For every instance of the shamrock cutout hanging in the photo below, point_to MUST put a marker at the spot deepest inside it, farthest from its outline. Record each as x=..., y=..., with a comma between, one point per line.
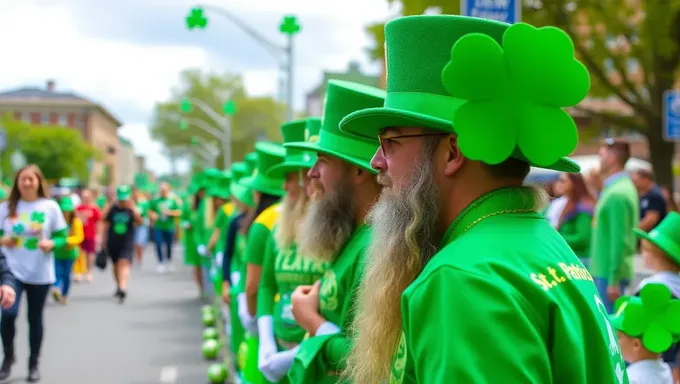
x=31, y=243
x=515, y=94
x=38, y=217
x=653, y=316
x=18, y=229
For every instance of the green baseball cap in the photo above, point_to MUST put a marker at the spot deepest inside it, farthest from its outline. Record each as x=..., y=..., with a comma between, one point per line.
x=343, y=98
x=123, y=192
x=304, y=130
x=421, y=74
x=66, y=204
x=268, y=155
x=666, y=235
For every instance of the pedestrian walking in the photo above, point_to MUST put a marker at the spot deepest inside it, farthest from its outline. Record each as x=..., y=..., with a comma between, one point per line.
x=65, y=257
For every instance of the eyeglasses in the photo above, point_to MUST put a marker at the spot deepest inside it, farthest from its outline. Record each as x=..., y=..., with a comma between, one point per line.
x=386, y=143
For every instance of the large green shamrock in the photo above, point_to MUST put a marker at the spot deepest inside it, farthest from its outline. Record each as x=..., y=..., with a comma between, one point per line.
x=653, y=316
x=18, y=229
x=31, y=243
x=514, y=94
x=38, y=217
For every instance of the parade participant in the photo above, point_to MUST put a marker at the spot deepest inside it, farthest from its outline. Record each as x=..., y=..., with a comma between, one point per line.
x=188, y=218
x=267, y=192
x=65, y=257
x=32, y=227
x=163, y=211
x=646, y=326
x=574, y=222
x=284, y=269
x=661, y=254
x=234, y=250
x=142, y=230
x=119, y=231
x=333, y=231
x=217, y=195
x=617, y=213
x=461, y=259
x=90, y=215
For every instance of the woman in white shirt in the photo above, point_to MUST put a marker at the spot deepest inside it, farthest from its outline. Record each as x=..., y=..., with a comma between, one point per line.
x=31, y=226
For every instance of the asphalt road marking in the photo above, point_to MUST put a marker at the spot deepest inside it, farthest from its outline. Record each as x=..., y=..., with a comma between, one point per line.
x=169, y=374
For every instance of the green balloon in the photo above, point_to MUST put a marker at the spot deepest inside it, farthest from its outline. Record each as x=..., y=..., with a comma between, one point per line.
x=211, y=348
x=242, y=356
x=210, y=334
x=207, y=308
x=208, y=319
x=217, y=373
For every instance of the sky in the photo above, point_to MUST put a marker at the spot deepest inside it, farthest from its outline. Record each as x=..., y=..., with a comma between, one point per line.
x=127, y=54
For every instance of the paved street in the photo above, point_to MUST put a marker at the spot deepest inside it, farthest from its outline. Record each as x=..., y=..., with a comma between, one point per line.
x=155, y=337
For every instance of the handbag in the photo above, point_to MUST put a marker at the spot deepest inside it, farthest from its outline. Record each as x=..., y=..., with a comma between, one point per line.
x=101, y=259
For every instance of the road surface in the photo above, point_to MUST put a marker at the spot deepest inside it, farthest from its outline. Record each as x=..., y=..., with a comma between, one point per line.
x=155, y=337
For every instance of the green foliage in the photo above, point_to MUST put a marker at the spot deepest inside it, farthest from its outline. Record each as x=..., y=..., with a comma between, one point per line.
x=58, y=151
x=254, y=116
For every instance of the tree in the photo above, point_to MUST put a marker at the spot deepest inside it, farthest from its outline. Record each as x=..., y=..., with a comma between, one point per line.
x=58, y=151
x=255, y=117
x=631, y=48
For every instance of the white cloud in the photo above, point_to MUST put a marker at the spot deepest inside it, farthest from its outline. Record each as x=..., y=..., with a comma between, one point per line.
x=45, y=44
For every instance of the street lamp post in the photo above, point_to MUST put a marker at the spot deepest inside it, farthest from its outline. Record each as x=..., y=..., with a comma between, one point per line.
x=196, y=19
x=223, y=133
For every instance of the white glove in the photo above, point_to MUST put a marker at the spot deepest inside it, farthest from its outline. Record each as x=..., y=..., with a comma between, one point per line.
x=202, y=250
x=327, y=328
x=265, y=328
x=219, y=257
x=279, y=364
x=248, y=322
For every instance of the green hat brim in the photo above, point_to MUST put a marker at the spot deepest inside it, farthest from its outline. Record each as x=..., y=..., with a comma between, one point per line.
x=367, y=123
x=123, y=196
x=263, y=184
x=660, y=240
x=315, y=147
x=281, y=170
x=616, y=322
x=242, y=194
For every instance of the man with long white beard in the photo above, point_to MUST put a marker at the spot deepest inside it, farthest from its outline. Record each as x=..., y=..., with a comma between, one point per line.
x=284, y=268
x=466, y=281
x=333, y=231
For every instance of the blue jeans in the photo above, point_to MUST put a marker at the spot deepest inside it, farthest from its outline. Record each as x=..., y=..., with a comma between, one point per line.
x=36, y=296
x=161, y=237
x=601, y=284
x=62, y=270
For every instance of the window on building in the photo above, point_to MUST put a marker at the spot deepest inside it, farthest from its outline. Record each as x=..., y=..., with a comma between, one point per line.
x=63, y=121
x=45, y=118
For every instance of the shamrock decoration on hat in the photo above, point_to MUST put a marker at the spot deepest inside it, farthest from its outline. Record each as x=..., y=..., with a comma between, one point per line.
x=654, y=317
x=515, y=94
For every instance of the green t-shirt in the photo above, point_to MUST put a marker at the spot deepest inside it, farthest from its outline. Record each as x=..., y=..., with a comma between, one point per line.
x=224, y=216
x=282, y=272
x=320, y=355
x=259, y=233
x=159, y=205
x=613, y=244
x=238, y=265
x=505, y=300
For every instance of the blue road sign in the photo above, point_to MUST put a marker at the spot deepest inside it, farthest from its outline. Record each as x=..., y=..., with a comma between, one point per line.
x=508, y=11
x=671, y=115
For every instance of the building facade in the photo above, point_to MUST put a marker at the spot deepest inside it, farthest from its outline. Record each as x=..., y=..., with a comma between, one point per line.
x=97, y=125
x=315, y=99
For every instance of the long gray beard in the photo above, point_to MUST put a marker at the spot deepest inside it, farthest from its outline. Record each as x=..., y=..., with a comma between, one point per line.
x=328, y=224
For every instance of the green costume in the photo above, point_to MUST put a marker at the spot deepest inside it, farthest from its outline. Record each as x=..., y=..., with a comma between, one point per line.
x=322, y=357
x=188, y=218
x=206, y=221
x=576, y=230
x=284, y=270
x=504, y=299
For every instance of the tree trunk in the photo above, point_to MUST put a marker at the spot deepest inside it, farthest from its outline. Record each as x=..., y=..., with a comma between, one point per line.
x=661, y=153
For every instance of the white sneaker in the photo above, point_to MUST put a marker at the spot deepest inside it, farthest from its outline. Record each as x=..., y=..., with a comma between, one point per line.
x=161, y=268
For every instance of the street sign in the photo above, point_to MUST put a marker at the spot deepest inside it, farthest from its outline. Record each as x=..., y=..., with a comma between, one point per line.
x=671, y=115
x=508, y=11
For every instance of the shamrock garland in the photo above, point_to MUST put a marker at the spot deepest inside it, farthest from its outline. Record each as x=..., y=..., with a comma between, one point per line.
x=514, y=94
x=654, y=317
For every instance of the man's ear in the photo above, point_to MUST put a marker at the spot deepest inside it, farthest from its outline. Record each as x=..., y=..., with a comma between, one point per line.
x=454, y=158
x=360, y=174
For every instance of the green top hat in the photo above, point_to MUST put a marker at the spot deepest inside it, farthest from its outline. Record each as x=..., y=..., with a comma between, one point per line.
x=653, y=316
x=220, y=186
x=196, y=183
x=306, y=130
x=66, y=204
x=666, y=235
x=239, y=170
x=238, y=191
x=268, y=155
x=251, y=161
x=343, y=98
x=210, y=175
x=502, y=87
x=123, y=192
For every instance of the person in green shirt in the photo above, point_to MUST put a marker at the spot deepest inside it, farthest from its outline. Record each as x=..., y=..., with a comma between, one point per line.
x=142, y=230
x=617, y=213
x=284, y=269
x=466, y=281
x=163, y=211
x=187, y=220
x=575, y=220
x=333, y=231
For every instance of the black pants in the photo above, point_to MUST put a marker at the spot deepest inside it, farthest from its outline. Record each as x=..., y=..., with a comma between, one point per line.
x=36, y=296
